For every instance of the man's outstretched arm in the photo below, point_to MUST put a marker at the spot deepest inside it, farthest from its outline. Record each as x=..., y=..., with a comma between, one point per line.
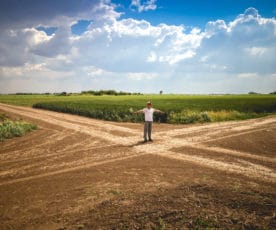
x=158, y=111
x=139, y=111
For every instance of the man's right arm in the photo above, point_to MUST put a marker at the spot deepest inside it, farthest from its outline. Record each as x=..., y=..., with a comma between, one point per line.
x=139, y=111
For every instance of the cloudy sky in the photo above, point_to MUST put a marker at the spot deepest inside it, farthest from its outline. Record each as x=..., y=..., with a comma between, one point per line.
x=215, y=46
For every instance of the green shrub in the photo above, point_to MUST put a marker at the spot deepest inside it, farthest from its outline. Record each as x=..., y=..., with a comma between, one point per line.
x=225, y=115
x=10, y=129
x=188, y=116
x=3, y=117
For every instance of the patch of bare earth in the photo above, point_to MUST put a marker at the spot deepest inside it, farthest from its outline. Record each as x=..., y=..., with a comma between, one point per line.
x=80, y=173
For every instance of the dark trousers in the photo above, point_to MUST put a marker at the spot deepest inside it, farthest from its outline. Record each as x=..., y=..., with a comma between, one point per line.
x=147, y=129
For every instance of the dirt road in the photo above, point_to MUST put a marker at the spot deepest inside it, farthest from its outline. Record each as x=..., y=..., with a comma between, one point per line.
x=75, y=172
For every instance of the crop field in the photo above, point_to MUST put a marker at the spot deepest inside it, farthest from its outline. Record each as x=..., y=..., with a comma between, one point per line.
x=178, y=108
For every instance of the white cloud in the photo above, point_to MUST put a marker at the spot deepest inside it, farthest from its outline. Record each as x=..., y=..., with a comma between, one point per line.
x=137, y=45
x=177, y=57
x=214, y=27
x=256, y=51
x=273, y=76
x=152, y=57
x=141, y=5
x=204, y=58
x=246, y=44
x=247, y=75
x=142, y=76
x=33, y=71
x=250, y=15
x=35, y=37
x=93, y=71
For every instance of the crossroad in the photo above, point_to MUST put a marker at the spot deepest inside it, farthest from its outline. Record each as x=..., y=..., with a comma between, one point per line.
x=198, y=144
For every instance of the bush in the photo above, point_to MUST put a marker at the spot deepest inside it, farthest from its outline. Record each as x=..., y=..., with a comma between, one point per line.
x=3, y=117
x=107, y=92
x=10, y=129
x=225, y=115
x=188, y=116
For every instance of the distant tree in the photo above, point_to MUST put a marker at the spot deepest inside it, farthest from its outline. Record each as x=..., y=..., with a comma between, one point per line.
x=161, y=92
x=108, y=92
x=24, y=93
x=251, y=92
x=273, y=92
x=62, y=94
x=98, y=93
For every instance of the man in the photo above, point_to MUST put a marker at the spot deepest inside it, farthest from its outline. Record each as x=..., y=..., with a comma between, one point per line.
x=148, y=111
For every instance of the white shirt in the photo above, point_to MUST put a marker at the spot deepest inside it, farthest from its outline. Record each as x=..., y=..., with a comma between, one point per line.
x=148, y=114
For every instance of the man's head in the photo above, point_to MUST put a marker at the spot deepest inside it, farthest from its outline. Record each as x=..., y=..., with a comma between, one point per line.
x=149, y=104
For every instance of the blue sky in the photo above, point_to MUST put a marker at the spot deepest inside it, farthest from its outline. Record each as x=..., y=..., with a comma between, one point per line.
x=197, y=12
x=138, y=45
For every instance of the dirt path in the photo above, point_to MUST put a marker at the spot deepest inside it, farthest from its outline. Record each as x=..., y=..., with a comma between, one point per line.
x=99, y=154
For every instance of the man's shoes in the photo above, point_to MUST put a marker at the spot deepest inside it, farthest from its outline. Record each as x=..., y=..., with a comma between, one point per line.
x=145, y=140
x=150, y=140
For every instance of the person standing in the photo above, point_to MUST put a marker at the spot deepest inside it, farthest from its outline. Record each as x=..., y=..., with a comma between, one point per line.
x=148, y=112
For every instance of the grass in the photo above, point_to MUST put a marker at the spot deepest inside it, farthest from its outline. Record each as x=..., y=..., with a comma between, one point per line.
x=114, y=192
x=9, y=129
x=179, y=108
x=225, y=115
x=80, y=226
x=203, y=223
x=3, y=117
x=161, y=224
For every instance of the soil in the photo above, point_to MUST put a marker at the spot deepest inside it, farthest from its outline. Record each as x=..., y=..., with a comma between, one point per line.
x=80, y=173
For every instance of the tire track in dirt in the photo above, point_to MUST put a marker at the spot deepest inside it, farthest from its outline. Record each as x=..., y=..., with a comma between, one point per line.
x=235, y=153
x=249, y=169
x=75, y=119
x=221, y=128
x=86, y=166
x=44, y=116
x=245, y=168
x=165, y=142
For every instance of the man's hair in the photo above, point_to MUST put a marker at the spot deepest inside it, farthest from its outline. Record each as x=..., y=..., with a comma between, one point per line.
x=148, y=102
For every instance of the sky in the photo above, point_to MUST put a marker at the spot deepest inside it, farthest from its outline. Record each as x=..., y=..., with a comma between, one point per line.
x=177, y=46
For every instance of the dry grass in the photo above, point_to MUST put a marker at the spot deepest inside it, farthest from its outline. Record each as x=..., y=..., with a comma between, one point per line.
x=227, y=115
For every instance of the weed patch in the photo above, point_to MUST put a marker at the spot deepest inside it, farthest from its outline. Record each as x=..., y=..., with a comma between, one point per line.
x=9, y=129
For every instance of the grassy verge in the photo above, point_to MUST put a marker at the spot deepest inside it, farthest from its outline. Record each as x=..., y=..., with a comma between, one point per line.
x=192, y=116
x=9, y=129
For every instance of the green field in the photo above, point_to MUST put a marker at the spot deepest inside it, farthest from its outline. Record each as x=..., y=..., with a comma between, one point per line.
x=178, y=108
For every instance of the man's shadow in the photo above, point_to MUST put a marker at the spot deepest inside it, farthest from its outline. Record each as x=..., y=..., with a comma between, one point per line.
x=140, y=143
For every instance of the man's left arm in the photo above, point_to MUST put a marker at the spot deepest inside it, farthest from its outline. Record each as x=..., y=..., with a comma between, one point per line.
x=158, y=111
